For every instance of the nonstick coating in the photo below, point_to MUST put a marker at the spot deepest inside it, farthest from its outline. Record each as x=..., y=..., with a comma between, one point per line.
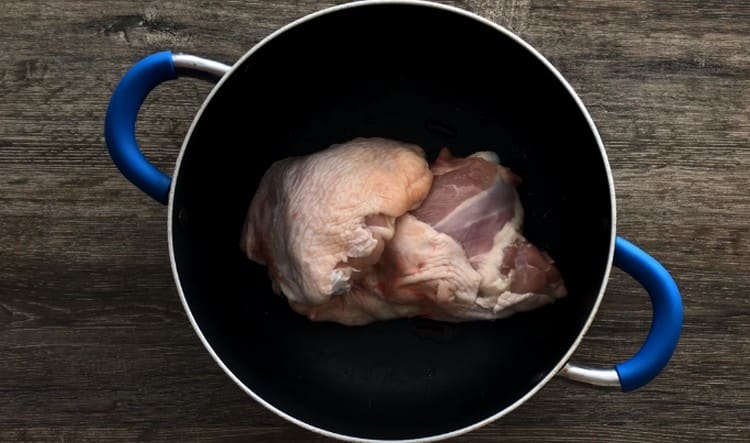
x=418, y=74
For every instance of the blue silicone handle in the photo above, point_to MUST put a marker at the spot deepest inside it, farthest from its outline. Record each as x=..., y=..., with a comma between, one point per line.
x=666, y=324
x=119, y=124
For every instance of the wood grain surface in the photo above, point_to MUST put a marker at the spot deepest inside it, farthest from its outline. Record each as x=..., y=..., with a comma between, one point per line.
x=95, y=345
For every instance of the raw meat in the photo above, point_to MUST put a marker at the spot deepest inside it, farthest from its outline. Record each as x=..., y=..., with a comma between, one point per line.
x=316, y=220
x=474, y=200
x=333, y=229
x=422, y=272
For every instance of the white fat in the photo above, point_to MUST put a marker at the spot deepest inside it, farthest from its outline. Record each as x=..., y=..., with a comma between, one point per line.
x=340, y=280
x=511, y=302
x=485, y=302
x=489, y=156
x=494, y=284
x=509, y=299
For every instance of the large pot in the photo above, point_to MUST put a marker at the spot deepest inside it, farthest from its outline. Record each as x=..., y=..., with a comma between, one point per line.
x=419, y=72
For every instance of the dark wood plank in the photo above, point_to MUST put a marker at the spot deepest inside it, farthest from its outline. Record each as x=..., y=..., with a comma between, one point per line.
x=95, y=345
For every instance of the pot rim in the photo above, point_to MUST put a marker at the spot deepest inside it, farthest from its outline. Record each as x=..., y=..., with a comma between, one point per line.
x=543, y=381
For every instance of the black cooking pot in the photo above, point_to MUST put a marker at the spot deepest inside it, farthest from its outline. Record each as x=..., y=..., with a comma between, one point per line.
x=423, y=73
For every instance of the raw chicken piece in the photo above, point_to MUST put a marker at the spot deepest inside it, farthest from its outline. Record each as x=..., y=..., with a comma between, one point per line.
x=316, y=220
x=333, y=229
x=460, y=256
x=474, y=201
x=421, y=272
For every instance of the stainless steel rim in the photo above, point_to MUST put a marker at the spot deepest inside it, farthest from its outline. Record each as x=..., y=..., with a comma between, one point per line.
x=563, y=361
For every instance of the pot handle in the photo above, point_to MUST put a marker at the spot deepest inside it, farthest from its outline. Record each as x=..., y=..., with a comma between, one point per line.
x=126, y=101
x=663, y=336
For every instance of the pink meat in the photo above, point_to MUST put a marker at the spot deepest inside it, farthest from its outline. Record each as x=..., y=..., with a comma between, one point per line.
x=471, y=199
x=474, y=200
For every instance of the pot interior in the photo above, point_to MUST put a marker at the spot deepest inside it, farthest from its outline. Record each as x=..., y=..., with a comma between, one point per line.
x=424, y=75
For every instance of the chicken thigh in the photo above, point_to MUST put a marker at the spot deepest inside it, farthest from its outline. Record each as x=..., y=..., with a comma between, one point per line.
x=316, y=220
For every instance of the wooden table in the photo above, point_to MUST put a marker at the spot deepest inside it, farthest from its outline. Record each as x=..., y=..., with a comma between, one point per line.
x=95, y=345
